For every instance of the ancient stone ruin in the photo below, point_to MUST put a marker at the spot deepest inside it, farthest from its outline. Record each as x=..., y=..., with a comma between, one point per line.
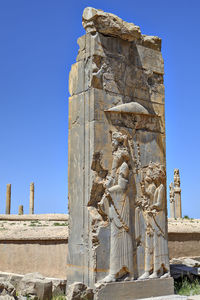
x=21, y=209
x=31, y=203
x=171, y=200
x=175, y=196
x=117, y=163
x=8, y=198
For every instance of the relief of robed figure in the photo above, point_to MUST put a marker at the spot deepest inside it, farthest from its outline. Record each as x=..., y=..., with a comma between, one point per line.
x=152, y=207
x=117, y=199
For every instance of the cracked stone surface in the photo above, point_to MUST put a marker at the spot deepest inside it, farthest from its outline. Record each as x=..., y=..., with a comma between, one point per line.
x=117, y=160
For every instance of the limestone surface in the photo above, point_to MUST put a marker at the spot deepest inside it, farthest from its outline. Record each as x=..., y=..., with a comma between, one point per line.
x=172, y=202
x=109, y=24
x=177, y=194
x=135, y=290
x=31, y=202
x=170, y=297
x=34, y=284
x=117, y=162
x=8, y=198
x=96, y=20
x=21, y=210
x=6, y=288
x=78, y=291
x=13, y=281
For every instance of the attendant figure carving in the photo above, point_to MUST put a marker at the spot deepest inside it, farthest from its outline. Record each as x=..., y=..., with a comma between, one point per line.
x=154, y=212
x=117, y=185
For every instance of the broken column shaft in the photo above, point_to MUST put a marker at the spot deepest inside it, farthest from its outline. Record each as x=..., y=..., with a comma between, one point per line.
x=8, y=198
x=31, y=203
x=21, y=210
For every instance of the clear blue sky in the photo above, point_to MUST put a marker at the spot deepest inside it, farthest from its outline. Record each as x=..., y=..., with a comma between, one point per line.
x=38, y=46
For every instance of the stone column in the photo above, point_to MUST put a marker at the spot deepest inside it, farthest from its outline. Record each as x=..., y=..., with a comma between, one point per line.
x=117, y=162
x=31, y=204
x=172, y=202
x=8, y=198
x=21, y=210
x=177, y=194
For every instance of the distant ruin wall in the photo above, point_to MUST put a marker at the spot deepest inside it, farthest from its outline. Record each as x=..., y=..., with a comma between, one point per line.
x=184, y=245
x=34, y=243
x=184, y=238
x=47, y=257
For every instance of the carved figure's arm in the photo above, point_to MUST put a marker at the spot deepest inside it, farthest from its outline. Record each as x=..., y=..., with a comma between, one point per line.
x=108, y=182
x=115, y=164
x=122, y=184
x=102, y=204
x=159, y=194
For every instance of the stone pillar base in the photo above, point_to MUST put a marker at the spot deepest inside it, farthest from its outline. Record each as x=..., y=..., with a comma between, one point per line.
x=133, y=290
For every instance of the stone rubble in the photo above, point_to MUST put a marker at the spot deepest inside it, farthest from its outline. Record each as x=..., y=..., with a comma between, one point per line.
x=79, y=291
x=184, y=267
x=6, y=288
x=32, y=285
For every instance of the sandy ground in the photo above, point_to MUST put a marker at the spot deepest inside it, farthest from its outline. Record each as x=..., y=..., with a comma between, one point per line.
x=33, y=227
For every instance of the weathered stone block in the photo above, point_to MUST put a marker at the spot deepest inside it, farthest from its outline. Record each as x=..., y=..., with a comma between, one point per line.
x=150, y=59
x=109, y=24
x=34, y=284
x=117, y=66
x=6, y=288
x=136, y=289
x=76, y=78
x=117, y=161
x=78, y=291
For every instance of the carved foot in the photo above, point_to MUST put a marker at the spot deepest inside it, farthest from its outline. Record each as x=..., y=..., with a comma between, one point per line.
x=128, y=278
x=144, y=276
x=109, y=278
x=153, y=275
x=166, y=275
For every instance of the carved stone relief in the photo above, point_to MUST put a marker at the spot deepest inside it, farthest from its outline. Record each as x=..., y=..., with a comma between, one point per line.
x=177, y=194
x=117, y=182
x=172, y=202
x=116, y=193
x=152, y=206
x=176, y=178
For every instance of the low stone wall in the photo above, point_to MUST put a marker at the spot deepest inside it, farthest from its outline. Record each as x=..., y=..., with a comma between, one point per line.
x=46, y=257
x=36, y=243
x=184, y=238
